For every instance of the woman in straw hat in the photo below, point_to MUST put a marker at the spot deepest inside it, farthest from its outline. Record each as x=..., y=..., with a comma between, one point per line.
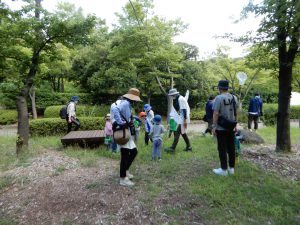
x=121, y=114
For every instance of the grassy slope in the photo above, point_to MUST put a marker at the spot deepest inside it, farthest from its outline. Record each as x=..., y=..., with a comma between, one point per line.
x=181, y=189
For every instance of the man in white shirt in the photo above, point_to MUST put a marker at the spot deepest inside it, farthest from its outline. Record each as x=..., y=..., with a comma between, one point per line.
x=71, y=114
x=180, y=105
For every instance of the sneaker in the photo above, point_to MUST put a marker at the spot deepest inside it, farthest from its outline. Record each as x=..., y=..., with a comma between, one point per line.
x=188, y=149
x=220, y=172
x=129, y=175
x=126, y=182
x=231, y=170
x=159, y=159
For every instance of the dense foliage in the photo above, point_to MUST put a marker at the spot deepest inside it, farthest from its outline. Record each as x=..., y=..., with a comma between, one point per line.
x=8, y=117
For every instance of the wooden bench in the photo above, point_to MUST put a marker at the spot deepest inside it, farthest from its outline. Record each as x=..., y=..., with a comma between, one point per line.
x=88, y=138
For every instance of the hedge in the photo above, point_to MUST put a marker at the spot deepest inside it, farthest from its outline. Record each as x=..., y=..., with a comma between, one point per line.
x=49, y=98
x=270, y=113
x=57, y=126
x=81, y=110
x=197, y=114
x=8, y=116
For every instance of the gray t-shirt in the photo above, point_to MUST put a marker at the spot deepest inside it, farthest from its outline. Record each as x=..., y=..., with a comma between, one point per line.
x=224, y=105
x=156, y=131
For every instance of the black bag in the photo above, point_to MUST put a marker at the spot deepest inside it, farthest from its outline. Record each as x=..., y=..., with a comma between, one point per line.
x=63, y=112
x=227, y=123
x=205, y=118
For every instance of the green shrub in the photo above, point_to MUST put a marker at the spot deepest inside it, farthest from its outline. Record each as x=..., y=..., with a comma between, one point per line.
x=8, y=93
x=242, y=116
x=270, y=113
x=49, y=98
x=81, y=110
x=8, y=117
x=295, y=112
x=57, y=126
x=197, y=114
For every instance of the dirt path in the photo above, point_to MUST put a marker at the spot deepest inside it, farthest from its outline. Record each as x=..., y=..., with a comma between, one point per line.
x=55, y=189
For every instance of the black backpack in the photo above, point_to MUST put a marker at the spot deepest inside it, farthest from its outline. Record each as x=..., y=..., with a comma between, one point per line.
x=63, y=112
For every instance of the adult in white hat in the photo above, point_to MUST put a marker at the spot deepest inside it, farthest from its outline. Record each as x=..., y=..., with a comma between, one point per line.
x=122, y=116
x=180, y=105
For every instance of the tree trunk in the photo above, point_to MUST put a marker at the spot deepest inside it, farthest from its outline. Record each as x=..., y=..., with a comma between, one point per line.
x=149, y=98
x=170, y=101
x=62, y=86
x=283, y=139
x=33, y=104
x=58, y=84
x=23, y=120
x=23, y=124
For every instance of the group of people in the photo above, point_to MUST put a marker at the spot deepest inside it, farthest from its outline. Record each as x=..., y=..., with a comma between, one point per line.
x=223, y=106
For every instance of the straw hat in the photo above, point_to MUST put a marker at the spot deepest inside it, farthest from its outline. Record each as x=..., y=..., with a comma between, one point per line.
x=133, y=94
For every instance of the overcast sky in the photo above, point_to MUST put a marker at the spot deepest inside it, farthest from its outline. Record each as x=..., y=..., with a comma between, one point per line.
x=206, y=19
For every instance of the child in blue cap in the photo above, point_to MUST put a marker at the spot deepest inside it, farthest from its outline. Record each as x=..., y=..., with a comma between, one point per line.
x=156, y=132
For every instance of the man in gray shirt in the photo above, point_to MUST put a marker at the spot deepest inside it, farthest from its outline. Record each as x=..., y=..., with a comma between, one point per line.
x=224, y=106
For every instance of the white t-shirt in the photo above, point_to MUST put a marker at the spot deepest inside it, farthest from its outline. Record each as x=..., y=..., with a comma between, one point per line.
x=71, y=109
x=183, y=104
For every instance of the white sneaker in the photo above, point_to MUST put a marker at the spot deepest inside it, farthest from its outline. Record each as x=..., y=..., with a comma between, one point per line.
x=126, y=182
x=231, y=170
x=220, y=172
x=129, y=175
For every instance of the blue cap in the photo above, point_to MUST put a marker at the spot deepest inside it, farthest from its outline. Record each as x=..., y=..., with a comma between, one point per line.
x=147, y=107
x=157, y=118
x=74, y=98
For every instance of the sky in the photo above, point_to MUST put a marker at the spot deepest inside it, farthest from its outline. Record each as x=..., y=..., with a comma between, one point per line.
x=206, y=19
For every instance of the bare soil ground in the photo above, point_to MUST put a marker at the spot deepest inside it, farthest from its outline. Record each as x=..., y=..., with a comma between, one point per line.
x=265, y=156
x=55, y=189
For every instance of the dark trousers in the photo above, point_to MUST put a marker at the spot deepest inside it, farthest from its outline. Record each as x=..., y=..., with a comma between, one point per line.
x=176, y=138
x=226, y=147
x=209, y=126
x=73, y=121
x=252, y=118
x=127, y=157
x=147, y=138
x=170, y=133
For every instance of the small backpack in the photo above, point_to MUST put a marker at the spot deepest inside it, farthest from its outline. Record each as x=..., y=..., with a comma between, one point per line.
x=63, y=112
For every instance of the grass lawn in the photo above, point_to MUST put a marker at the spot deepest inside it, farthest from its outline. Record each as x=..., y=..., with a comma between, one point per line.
x=182, y=187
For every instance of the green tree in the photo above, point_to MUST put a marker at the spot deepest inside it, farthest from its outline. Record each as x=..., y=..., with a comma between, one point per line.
x=38, y=30
x=146, y=41
x=280, y=30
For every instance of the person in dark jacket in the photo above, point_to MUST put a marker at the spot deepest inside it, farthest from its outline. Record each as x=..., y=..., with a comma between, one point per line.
x=254, y=111
x=209, y=114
